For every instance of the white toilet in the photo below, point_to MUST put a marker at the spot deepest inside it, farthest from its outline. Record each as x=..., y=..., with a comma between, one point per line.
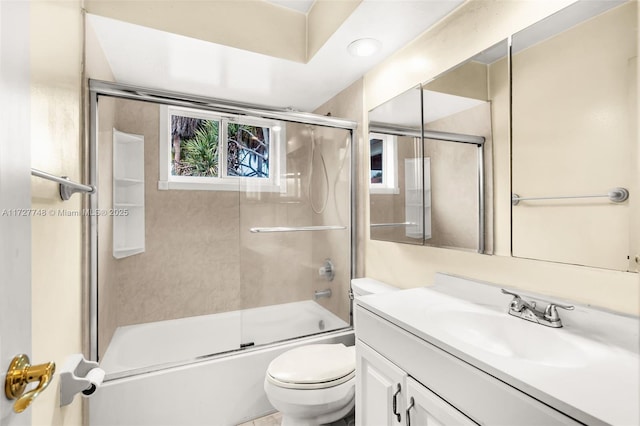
x=315, y=384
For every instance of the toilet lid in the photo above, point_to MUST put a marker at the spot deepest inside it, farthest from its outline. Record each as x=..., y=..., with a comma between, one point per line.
x=313, y=364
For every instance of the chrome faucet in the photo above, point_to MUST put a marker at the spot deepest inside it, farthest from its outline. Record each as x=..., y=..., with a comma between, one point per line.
x=527, y=310
x=322, y=293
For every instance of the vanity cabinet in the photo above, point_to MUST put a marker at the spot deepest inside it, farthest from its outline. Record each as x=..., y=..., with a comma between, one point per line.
x=425, y=408
x=386, y=394
x=380, y=388
x=444, y=389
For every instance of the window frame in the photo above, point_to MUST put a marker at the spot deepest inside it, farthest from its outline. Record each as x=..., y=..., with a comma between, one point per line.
x=222, y=182
x=389, y=184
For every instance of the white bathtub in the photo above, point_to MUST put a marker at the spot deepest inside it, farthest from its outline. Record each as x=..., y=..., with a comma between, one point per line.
x=223, y=389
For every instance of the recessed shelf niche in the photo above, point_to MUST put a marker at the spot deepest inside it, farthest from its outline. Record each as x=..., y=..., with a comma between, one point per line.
x=128, y=194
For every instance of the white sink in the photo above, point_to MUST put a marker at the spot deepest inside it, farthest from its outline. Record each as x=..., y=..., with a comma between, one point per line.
x=506, y=336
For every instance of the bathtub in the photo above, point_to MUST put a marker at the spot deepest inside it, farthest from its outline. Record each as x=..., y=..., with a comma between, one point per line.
x=147, y=382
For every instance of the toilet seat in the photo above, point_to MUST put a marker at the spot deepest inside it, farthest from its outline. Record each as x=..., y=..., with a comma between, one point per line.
x=313, y=367
x=318, y=385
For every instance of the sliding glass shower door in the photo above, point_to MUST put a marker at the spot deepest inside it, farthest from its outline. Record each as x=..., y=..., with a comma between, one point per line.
x=295, y=235
x=224, y=229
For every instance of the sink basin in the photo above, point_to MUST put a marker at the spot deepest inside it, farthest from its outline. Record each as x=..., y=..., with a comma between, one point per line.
x=503, y=335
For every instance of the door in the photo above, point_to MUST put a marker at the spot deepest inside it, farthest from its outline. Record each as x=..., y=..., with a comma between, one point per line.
x=15, y=196
x=380, y=389
x=425, y=408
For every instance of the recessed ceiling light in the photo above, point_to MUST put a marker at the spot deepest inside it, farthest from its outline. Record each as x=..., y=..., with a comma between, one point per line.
x=364, y=47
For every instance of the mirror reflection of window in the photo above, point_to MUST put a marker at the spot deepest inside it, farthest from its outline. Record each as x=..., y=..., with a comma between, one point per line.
x=376, y=160
x=384, y=167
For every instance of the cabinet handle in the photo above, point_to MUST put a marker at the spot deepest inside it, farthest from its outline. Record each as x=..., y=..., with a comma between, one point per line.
x=408, y=414
x=395, y=403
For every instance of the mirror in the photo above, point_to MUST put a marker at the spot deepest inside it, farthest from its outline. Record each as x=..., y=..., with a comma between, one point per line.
x=574, y=139
x=448, y=202
x=395, y=189
x=461, y=109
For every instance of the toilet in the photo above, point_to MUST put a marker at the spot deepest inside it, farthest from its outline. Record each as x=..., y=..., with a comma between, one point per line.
x=315, y=384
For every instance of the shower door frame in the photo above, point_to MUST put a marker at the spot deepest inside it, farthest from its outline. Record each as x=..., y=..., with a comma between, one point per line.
x=127, y=91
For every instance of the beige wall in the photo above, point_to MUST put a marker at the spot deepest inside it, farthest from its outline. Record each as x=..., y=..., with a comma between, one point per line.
x=56, y=125
x=323, y=19
x=572, y=135
x=253, y=25
x=471, y=28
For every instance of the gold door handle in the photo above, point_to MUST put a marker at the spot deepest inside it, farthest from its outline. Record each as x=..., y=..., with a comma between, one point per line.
x=22, y=372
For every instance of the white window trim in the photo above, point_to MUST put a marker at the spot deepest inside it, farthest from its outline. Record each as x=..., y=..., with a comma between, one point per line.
x=277, y=156
x=389, y=183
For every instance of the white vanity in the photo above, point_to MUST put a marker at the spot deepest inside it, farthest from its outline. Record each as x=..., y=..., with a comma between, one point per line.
x=451, y=355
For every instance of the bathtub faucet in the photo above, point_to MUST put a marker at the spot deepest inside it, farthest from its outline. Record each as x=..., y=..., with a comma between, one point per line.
x=322, y=293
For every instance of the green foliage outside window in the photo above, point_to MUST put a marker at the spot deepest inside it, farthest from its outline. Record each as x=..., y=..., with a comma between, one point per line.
x=195, y=148
x=201, y=151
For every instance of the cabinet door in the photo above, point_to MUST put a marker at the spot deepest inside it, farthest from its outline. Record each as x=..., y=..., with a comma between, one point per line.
x=425, y=408
x=380, y=389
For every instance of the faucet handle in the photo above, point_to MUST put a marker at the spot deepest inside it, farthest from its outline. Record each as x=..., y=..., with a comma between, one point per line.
x=510, y=293
x=517, y=303
x=551, y=313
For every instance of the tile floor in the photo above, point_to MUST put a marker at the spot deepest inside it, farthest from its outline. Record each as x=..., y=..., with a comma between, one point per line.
x=276, y=419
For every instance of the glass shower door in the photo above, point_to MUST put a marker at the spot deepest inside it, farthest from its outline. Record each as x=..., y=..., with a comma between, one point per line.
x=295, y=244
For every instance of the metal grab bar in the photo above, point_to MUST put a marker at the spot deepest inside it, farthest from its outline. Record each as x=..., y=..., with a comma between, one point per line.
x=616, y=195
x=67, y=187
x=297, y=228
x=382, y=225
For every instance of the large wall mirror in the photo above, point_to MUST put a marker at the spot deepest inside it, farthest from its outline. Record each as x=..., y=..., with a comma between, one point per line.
x=431, y=151
x=575, y=141
x=396, y=180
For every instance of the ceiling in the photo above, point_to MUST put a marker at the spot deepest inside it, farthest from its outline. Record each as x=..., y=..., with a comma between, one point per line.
x=156, y=59
x=299, y=5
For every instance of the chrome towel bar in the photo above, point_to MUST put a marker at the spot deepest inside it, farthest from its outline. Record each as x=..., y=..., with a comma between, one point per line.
x=616, y=195
x=67, y=187
x=383, y=225
x=297, y=228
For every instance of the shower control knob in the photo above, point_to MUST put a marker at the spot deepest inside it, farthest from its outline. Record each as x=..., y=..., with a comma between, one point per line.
x=327, y=270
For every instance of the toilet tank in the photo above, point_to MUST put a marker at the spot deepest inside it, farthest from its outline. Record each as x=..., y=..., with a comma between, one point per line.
x=365, y=286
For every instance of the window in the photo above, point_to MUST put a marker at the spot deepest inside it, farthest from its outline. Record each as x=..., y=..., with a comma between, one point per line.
x=383, y=157
x=213, y=151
